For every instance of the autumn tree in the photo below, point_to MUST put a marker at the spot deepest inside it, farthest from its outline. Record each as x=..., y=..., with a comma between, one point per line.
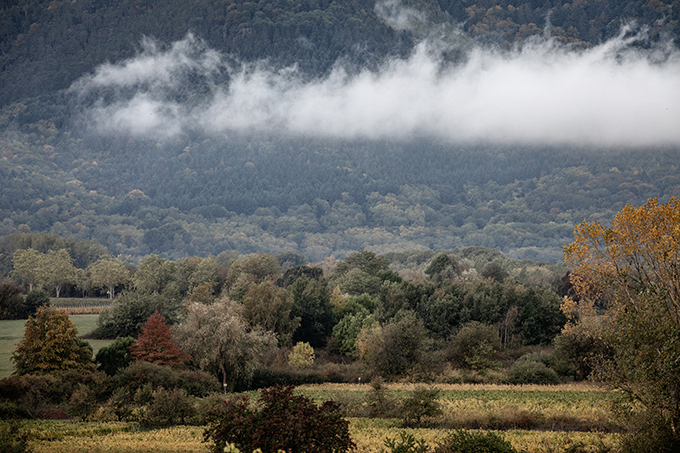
x=51, y=345
x=627, y=285
x=301, y=356
x=155, y=344
x=222, y=342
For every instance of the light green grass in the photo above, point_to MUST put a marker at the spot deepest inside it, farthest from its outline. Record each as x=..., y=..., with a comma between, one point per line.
x=11, y=333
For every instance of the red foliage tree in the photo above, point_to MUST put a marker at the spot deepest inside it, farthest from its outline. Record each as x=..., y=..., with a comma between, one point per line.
x=155, y=344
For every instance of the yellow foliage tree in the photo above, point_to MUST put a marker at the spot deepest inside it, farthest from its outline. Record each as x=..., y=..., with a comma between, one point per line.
x=302, y=355
x=51, y=345
x=627, y=292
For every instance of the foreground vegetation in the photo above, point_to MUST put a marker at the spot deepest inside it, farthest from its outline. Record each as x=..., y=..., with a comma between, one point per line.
x=369, y=434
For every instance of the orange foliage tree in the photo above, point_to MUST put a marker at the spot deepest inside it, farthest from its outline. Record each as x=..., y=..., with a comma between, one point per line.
x=51, y=345
x=155, y=344
x=627, y=287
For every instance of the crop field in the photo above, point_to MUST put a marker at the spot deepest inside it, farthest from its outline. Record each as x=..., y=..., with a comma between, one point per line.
x=81, y=306
x=567, y=407
x=11, y=333
x=368, y=434
x=584, y=404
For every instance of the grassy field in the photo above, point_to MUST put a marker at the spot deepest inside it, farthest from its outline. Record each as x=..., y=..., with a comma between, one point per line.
x=11, y=333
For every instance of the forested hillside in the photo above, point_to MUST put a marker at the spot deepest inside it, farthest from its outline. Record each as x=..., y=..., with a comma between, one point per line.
x=77, y=160
x=46, y=45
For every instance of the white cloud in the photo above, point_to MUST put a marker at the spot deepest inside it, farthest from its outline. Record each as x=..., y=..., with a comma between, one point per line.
x=541, y=94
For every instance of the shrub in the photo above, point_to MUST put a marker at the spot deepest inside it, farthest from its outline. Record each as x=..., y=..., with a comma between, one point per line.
x=460, y=441
x=140, y=374
x=12, y=305
x=198, y=383
x=407, y=444
x=529, y=372
x=380, y=404
x=120, y=404
x=422, y=403
x=13, y=438
x=170, y=407
x=116, y=356
x=299, y=424
x=82, y=403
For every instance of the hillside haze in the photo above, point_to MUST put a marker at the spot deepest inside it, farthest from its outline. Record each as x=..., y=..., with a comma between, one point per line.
x=325, y=127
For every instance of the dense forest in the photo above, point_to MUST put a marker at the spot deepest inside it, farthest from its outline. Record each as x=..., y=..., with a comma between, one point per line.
x=202, y=194
x=46, y=45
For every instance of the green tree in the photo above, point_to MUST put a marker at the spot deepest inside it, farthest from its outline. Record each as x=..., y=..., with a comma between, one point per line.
x=58, y=270
x=268, y=306
x=34, y=300
x=109, y=273
x=346, y=332
x=131, y=310
x=220, y=340
x=395, y=349
x=196, y=271
x=474, y=346
x=312, y=305
x=11, y=302
x=626, y=282
x=365, y=261
x=116, y=356
x=154, y=275
x=28, y=265
x=51, y=345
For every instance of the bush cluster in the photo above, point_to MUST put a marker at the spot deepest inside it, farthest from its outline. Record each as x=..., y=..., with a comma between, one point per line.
x=299, y=424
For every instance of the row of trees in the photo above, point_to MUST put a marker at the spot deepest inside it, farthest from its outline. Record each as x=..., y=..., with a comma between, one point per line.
x=55, y=269
x=229, y=316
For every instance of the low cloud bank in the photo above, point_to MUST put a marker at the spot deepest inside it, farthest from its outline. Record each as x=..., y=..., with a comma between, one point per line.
x=614, y=94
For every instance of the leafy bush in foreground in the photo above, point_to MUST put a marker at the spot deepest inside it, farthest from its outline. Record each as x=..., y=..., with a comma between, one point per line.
x=300, y=425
